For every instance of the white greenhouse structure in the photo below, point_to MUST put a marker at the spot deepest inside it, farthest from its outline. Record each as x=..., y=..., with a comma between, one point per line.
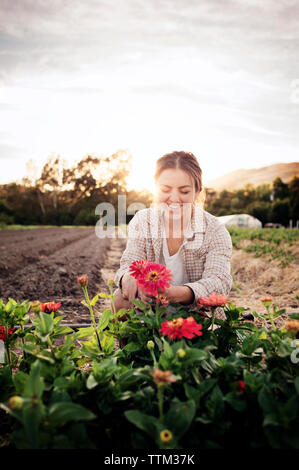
x=240, y=220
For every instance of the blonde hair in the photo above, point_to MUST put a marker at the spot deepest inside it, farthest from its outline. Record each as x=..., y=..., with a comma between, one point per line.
x=187, y=162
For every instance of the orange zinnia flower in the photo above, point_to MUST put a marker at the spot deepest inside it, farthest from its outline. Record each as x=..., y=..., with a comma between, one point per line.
x=83, y=280
x=181, y=328
x=162, y=377
x=292, y=325
x=267, y=299
x=212, y=300
x=162, y=299
x=49, y=307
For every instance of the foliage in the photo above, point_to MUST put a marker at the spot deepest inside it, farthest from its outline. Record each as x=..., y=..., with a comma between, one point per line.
x=63, y=195
x=275, y=244
x=62, y=390
x=277, y=203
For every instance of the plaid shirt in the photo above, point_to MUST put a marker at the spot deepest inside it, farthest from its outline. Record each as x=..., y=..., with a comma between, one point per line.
x=206, y=254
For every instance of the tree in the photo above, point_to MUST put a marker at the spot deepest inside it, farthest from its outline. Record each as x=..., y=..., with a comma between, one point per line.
x=261, y=210
x=280, y=212
x=281, y=189
x=294, y=199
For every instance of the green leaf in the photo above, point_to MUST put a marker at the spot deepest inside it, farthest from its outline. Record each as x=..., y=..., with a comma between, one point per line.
x=61, y=331
x=266, y=401
x=194, y=355
x=63, y=412
x=104, y=319
x=139, y=304
x=19, y=380
x=91, y=382
x=179, y=417
x=215, y=403
x=236, y=401
x=34, y=385
x=296, y=383
x=94, y=300
x=132, y=347
x=84, y=332
x=146, y=423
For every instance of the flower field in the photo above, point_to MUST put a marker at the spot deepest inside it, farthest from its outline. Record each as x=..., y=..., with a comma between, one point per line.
x=188, y=380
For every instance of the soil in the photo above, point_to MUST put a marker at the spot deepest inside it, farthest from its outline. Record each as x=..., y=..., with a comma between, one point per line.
x=44, y=263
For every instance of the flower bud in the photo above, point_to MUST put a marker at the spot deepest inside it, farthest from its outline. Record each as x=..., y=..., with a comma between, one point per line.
x=181, y=353
x=166, y=436
x=150, y=345
x=35, y=306
x=263, y=335
x=83, y=280
x=16, y=402
x=110, y=282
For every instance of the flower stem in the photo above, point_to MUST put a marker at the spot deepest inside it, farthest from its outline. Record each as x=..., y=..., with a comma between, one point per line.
x=7, y=347
x=113, y=307
x=160, y=402
x=154, y=357
x=213, y=317
x=92, y=315
x=51, y=349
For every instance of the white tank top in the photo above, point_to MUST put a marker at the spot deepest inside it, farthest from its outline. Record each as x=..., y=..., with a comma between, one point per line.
x=175, y=263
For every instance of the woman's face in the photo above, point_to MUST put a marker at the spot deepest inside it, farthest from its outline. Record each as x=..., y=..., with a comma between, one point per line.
x=175, y=191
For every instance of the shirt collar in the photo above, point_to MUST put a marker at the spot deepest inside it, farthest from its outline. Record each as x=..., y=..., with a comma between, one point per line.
x=197, y=222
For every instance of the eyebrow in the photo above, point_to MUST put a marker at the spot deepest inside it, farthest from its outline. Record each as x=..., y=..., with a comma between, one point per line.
x=180, y=187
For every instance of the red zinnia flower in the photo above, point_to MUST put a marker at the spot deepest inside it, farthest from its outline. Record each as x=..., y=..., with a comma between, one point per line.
x=136, y=268
x=154, y=277
x=181, y=328
x=213, y=300
x=3, y=333
x=49, y=307
x=241, y=386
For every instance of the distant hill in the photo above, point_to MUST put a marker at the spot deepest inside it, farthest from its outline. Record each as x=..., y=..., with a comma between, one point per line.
x=267, y=174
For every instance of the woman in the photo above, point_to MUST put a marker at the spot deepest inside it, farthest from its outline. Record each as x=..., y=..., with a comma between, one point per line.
x=179, y=234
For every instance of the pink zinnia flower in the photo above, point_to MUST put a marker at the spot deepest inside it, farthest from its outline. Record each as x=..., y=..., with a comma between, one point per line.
x=213, y=300
x=136, y=268
x=154, y=278
x=161, y=377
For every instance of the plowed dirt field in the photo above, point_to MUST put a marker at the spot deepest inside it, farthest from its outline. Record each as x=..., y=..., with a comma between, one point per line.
x=44, y=263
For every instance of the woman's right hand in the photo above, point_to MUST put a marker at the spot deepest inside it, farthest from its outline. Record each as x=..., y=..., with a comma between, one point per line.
x=129, y=287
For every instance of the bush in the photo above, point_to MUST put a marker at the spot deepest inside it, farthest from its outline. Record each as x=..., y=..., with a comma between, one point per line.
x=190, y=392
x=86, y=217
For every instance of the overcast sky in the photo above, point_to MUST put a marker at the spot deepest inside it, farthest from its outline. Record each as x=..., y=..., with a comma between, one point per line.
x=215, y=77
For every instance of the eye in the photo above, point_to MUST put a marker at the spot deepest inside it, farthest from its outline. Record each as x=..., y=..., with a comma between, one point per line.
x=185, y=192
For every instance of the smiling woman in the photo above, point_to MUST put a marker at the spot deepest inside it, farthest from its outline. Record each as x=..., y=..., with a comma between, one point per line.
x=178, y=234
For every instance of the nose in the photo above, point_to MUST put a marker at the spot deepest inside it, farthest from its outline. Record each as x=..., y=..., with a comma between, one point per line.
x=174, y=196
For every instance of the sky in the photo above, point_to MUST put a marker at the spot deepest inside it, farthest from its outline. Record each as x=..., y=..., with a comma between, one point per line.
x=218, y=78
